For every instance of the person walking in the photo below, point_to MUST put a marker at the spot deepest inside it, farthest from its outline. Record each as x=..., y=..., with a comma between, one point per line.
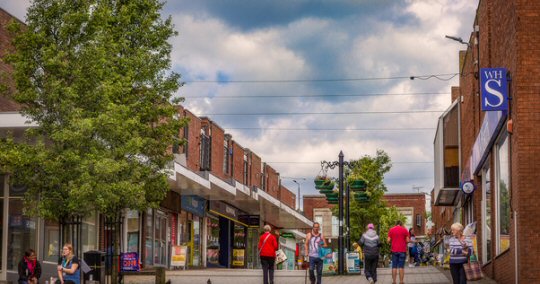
x=267, y=252
x=314, y=240
x=413, y=250
x=371, y=243
x=68, y=267
x=398, y=236
x=461, y=248
x=29, y=268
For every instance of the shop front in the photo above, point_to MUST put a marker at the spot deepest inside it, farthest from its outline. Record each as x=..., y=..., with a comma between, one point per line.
x=190, y=227
x=227, y=236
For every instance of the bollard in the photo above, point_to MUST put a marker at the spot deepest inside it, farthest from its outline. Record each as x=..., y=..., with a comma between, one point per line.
x=160, y=275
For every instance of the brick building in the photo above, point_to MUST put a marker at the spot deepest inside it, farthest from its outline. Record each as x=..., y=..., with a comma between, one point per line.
x=498, y=151
x=413, y=206
x=316, y=208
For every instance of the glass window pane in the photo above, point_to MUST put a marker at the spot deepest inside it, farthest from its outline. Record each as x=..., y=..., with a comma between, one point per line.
x=133, y=231
x=17, y=190
x=89, y=238
x=504, y=198
x=488, y=223
x=21, y=234
x=51, y=250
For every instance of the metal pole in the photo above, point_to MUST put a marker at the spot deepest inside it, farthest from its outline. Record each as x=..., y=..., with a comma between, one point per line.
x=341, y=256
x=348, y=220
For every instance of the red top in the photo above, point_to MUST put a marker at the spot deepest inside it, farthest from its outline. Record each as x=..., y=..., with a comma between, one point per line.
x=270, y=247
x=399, y=235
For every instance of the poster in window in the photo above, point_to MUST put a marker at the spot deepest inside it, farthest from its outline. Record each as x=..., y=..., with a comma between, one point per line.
x=178, y=256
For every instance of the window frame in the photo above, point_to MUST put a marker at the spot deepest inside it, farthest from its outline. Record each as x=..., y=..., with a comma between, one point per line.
x=502, y=140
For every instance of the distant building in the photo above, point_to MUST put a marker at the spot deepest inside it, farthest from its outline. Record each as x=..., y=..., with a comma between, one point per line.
x=413, y=206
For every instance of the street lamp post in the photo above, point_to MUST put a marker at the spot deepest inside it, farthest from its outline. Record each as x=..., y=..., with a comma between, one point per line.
x=341, y=242
x=298, y=196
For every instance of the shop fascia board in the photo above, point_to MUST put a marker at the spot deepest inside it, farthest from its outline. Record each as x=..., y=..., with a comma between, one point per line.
x=297, y=215
x=240, y=187
x=269, y=198
x=297, y=234
x=223, y=188
x=187, y=182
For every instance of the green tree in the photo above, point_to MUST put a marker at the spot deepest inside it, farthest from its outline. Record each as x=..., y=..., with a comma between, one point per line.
x=94, y=76
x=372, y=170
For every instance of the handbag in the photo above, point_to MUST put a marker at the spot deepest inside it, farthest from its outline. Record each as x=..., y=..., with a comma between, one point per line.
x=280, y=256
x=473, y=269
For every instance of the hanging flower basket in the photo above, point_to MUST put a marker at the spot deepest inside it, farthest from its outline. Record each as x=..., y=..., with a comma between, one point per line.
x=323, y=182
x=326, y=191
x=358, y=185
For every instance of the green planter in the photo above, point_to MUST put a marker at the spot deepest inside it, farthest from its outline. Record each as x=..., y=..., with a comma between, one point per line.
x=332, y=195
x=325, y=184
x=357, y=185
x=326, y=191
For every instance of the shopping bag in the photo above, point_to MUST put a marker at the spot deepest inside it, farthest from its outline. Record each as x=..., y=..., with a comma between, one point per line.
x=280, y=256
x=473, y=269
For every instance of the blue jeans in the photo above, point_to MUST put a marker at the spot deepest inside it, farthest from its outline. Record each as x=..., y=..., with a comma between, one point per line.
x=315, y=263
x=398, y=259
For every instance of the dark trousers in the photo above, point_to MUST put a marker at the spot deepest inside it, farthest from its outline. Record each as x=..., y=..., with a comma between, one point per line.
x=370, y=266
x=315, y=263
x=458, y=273
x=267, y=264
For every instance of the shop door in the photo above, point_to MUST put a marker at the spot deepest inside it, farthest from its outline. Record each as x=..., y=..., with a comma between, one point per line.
x=160, y=240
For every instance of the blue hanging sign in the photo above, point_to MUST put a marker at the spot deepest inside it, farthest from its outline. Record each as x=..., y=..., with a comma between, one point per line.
x=494, y=89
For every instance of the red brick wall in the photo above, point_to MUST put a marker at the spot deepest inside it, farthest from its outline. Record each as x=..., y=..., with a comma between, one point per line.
x=313, y=202
x=5, y=47
x=238, y=162
x=217, y=149
x=287, y=197
x=509, y=37
x=272, y=179
x=256, y=170
x=193, y=141
x=416, y=201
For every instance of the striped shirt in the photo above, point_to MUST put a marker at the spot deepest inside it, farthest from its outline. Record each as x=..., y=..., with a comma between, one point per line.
x=457, y=250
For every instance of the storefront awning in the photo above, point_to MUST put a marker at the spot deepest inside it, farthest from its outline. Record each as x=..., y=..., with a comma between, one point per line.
x=279, y=214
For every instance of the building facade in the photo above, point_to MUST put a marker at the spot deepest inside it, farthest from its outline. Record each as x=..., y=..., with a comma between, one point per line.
x=221, y=195
x=498, y=151
x=413, y=207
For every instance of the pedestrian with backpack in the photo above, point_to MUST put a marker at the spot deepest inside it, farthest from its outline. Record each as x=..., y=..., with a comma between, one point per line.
x=371, y=243
x=267, y=251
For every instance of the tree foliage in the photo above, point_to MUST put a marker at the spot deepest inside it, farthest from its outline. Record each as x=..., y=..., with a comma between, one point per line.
x=94, y=76
x=371, y=169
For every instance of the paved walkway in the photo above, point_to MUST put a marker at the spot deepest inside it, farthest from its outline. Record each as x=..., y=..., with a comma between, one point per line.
x=247, y=276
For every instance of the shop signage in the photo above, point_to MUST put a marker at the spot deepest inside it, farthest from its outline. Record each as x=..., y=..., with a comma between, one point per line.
x=129, y=261
x=226, y=210
x=174, y=225
x=492, y=124
x=238, y=257
x=250, y=220
x=468, y=187
x=194, y=204
x=179, y=256
x=494, y=89
x=288, y=235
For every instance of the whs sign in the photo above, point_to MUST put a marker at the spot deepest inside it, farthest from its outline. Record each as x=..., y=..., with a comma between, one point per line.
x=494, y=89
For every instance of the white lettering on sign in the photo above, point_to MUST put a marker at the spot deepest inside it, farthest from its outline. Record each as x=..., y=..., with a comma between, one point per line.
x=493, y=92
x=230, y=210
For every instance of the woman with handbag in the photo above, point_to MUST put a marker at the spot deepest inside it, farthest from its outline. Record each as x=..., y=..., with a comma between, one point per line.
x=267, y=251
x=460, y=250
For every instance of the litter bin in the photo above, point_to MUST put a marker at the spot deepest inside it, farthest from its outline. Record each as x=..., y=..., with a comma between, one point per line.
x=96, y=261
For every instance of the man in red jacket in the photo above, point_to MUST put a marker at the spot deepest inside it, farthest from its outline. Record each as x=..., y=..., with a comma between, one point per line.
x=267, y=250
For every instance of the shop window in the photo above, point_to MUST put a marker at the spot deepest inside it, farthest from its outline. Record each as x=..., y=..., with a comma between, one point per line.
x=89, y=238
x=132, y=231
x=503, y=196
x=51, y=248
x=487, y=214
x=148, y=247
x=212, y=241
x=21, y=234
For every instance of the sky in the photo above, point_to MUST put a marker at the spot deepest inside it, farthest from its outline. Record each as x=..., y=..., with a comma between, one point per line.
x=298, y=81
